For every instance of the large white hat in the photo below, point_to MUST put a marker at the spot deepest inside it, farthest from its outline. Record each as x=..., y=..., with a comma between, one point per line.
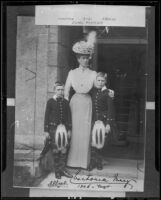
x=83, y=47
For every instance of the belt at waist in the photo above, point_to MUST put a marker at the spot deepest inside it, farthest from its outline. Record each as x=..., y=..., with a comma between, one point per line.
x=84, y=94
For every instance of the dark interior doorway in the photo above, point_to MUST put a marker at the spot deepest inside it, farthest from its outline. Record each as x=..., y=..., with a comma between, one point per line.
x=125, y=66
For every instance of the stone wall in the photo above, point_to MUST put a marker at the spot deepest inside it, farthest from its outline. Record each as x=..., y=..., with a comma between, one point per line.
x=41, y=59
x=58, y=49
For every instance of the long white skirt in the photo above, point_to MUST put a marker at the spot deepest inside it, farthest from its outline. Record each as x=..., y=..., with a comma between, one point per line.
x=81, y=110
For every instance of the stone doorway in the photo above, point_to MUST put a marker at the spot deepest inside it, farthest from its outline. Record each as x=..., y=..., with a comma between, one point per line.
x=125, y=62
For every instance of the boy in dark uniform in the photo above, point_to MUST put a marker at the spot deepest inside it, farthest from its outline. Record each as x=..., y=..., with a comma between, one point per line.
x=57, y=113
x=102, y=111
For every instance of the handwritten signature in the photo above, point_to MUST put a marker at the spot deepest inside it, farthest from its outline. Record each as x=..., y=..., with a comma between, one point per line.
x=57, y=183
x=102, y=180
x=90, y=181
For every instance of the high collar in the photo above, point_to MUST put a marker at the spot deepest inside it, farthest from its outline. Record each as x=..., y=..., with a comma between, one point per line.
x=102, y=89
x=55, y=97
x=83, y=68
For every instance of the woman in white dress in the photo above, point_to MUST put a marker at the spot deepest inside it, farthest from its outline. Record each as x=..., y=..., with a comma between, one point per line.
x=81, y=80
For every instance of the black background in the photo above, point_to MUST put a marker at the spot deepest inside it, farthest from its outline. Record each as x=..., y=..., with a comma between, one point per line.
x=152, y=156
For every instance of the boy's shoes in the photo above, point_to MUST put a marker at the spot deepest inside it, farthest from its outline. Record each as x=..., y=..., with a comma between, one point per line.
x=91, y=167
x=65, y=173
x=57, y=175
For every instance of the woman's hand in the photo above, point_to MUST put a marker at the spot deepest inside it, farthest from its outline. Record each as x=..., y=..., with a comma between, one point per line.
x=66, y=98
x=46, y=134
x=111, y=93
x=107, y=128
x=69, y=133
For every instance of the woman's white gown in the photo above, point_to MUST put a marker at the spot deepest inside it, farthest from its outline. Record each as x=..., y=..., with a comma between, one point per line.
x=81, y=109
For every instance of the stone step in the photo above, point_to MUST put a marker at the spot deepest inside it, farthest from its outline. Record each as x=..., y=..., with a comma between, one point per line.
x=26, y=142
x=125, y=102
x=127, y=89
x=129, y=92
x=123, y=110
x=122, y=124
x=123, y=128
x=123, y=117
x=26, y=155
x=122, y=105
x=125, y=95
x=123, y=132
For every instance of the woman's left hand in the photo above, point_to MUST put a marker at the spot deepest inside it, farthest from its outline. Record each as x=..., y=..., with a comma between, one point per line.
x=69, y=134
x=107, y=128
x=111, y=93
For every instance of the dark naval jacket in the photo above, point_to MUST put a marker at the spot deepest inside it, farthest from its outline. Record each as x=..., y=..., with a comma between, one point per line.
x=102, y=106
x=57, y=112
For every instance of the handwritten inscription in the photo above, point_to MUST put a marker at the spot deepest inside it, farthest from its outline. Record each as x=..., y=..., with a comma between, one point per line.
x=86, y=20
x=125, y=182
x=75, y=22
x=94, y=182
x=57, y=183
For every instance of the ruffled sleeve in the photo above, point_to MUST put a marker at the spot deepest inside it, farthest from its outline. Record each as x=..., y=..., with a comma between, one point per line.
x=68, y=85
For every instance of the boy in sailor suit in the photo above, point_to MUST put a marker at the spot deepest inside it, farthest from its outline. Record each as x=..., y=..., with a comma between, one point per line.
x=103, y=116
x=57, y=114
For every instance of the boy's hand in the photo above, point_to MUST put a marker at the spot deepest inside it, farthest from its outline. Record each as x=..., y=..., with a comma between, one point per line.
x=111, y=93
x=69, y=134
x=107, y=128
x=46, y=134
